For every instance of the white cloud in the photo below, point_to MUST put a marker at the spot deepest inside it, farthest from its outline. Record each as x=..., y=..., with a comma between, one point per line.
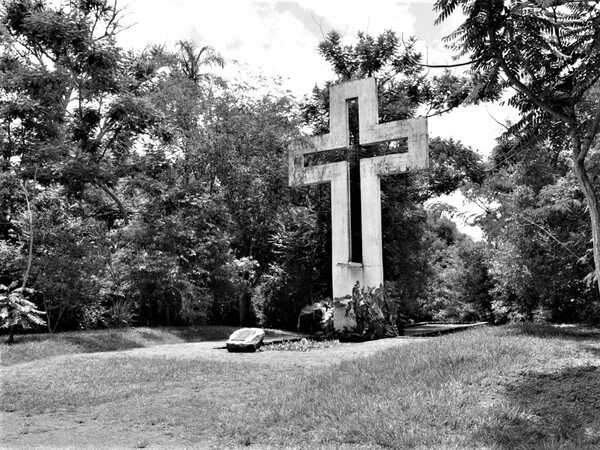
x=282, y=37
x=373, y=16
x=250, y=32
x=474, y=125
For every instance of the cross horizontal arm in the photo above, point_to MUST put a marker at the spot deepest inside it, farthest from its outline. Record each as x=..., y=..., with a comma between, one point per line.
x=395, y=163
x=323, y=173
x=413, y=129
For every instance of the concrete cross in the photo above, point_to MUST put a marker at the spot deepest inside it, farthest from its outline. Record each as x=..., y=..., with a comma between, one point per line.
x=369, y=272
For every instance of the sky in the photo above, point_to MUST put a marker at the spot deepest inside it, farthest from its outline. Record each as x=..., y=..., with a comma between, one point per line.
x=281, y=37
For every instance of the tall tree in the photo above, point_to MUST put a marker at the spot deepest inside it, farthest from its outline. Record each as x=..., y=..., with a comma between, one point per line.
x=192, y=60
x=537, y=229
x=73, y=102
x=548, y=52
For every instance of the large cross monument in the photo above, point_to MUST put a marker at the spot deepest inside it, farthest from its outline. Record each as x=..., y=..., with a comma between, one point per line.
x=369, y=270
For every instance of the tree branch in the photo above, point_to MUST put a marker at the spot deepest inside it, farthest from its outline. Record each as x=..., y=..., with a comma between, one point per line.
x=110, y=142
x=30, y=257
x=102, y=185
x=449, y=66
x=514, y=79
x=562, y=244
x=591, y=134
x=439, y=113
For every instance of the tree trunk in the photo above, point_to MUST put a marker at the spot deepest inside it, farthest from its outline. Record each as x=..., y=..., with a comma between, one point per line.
x=30, y=257
x=47, y=315
x=116, y=199
x=594, y=208
x=244, y=308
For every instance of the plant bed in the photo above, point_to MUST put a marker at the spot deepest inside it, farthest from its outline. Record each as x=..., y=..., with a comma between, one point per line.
x=301, y=345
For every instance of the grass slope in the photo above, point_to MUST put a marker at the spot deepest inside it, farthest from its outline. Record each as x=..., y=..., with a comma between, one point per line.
x=530, y=387
x=37, y=346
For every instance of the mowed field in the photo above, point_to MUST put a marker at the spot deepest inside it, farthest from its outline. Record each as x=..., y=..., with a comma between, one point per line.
x=518, y=386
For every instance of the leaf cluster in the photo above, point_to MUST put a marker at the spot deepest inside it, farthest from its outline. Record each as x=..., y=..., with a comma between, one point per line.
x=17, y=311
x=548, y=51
x=375, y=313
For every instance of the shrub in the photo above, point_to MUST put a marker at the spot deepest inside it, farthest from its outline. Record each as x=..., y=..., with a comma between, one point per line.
x=121, y=314
x=375, y=312
x=16, y=311
x=93, y=316
x=592, y=313
x=294, y=278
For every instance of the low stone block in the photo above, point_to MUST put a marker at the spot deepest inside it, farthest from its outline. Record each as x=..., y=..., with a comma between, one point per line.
x=245, y=340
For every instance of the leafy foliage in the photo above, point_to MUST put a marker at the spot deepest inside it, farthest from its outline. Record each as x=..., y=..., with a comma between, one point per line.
x=374, y=311
x=538, y=234
x=458, y=283
x=549, y=53
x=121, y=314
x=73, y=102
x=295, y=277
x=16, y=311
x=156, y=192
x=150, y=177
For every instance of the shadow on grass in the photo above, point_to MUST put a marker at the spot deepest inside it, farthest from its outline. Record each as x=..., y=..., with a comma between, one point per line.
x=29, y=347
x=108, y=341
x=127, y=338
x=544, y=330
x=549, y=410
x=206, y=333
x=593, y=350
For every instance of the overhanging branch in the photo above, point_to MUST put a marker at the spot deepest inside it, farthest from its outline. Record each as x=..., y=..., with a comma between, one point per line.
x=102, y=185
x=450, y=66
x=517, y=83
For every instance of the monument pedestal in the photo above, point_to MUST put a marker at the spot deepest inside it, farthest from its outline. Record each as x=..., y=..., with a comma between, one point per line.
x=345, y=277
x=340, y=319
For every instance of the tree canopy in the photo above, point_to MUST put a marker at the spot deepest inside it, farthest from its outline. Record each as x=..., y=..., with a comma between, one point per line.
x=549, y=54
x=138, y=188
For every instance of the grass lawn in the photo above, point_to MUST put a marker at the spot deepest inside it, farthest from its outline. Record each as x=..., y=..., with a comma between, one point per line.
x=37, y=346
x=525, y=386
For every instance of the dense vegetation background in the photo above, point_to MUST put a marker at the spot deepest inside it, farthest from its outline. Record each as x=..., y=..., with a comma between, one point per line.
x=137, y=188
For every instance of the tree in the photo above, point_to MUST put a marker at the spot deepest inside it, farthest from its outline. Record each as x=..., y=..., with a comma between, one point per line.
x=537, y=233
x=457, y=281
x=16, y=310
x=248, y=139
x=549, y=53
x=72, y=102
x=217, y=159
x=72, y=105
x=192, y=60
x=403, y=85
